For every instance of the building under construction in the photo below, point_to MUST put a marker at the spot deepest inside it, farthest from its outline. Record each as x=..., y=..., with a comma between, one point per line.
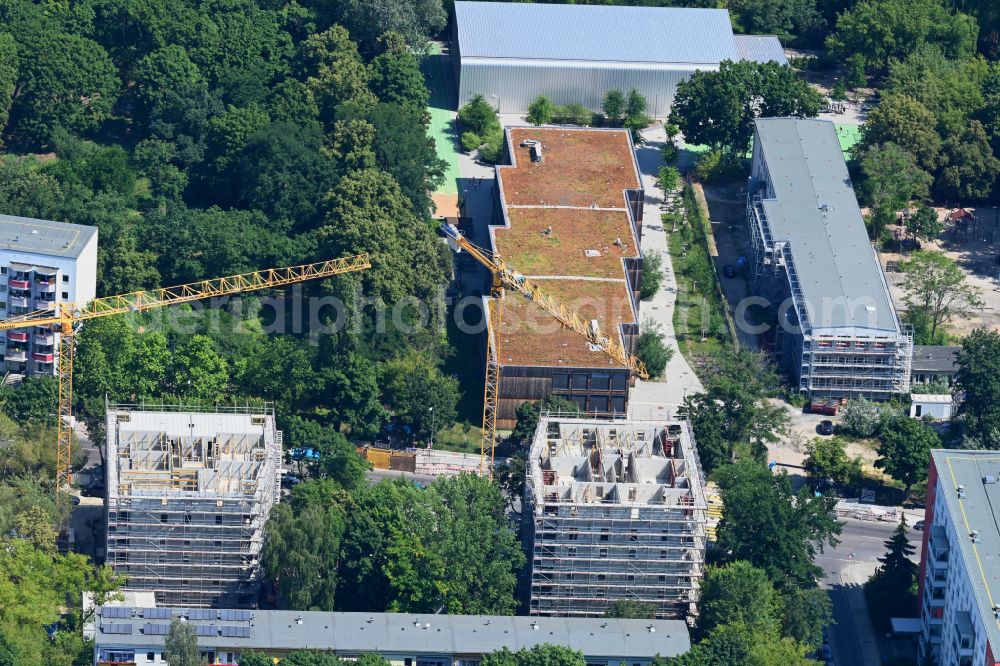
x=189, y=493
x=616, y=511
x=837, y=333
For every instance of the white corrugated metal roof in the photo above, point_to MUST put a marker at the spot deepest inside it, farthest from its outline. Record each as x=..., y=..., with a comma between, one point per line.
x=760, y=48
x=531, y=31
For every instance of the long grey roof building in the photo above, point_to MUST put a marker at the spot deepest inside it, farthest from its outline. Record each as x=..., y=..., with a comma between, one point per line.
x=136, y=633
x=512, y=52
x=838, y=332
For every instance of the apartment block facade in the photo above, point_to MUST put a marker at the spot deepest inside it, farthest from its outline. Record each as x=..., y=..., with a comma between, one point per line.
x=43, y=264
x=960, y=560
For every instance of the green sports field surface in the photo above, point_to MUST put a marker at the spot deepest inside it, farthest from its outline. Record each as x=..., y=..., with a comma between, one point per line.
x=438, y=78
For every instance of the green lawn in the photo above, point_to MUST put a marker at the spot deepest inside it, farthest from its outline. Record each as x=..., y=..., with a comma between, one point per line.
x=439, y=79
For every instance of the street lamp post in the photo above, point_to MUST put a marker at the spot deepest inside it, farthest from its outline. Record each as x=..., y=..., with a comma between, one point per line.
x=431, y=445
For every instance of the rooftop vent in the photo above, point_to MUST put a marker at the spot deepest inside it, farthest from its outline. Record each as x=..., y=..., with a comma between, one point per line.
x=974, y=535
x=990, y=479
x=961, y=491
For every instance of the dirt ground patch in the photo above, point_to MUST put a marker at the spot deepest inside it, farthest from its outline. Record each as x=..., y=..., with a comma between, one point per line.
x=975, y=247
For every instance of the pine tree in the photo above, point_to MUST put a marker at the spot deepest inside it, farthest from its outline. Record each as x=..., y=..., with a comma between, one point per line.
x=896, y=563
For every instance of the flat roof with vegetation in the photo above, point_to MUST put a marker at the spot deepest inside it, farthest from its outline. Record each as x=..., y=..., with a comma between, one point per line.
x=567, y=225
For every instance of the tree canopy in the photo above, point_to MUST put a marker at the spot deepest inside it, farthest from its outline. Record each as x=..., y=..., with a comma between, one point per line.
x=718, y=108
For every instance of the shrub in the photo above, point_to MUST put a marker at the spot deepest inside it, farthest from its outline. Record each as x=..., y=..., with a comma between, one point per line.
x=708, y=165
x=652, y=275
x=478, y=116
x=635, y=105
x=574, y=114
x=860, y=418
x=470, y=141
x=492, y=148
x=614, y=104
x=541, y=111
x=652, y=351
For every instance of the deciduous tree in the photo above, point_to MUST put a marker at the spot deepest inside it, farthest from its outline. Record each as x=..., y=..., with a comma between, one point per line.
x=902, y=120
x=180, y=647
x=739, y=593
x=770, y=527
x=969, y=169
x=978, y=379
x=718, y=109
x=827, y=459
x=937, y=286
x=905, y=449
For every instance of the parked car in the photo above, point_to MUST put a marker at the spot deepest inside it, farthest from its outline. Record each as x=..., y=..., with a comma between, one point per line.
x=729, y=271
x=306, y=453
x=825, y=427
x=290, y=480
x=919, y=526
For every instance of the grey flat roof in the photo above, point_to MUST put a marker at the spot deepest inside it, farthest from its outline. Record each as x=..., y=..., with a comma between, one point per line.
x=58, y=239
x=594, y=33
x=410, y=633
x=935, y=358
x=978, y=511
x=760, y=48
x=841, y=281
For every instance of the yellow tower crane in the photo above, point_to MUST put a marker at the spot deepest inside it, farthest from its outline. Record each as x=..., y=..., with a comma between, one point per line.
x=66, y=316
x=506, y=277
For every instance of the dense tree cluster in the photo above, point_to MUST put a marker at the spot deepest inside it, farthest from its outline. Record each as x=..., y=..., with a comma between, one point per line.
x=212, y=139
x=935, y=131
x=394, y=546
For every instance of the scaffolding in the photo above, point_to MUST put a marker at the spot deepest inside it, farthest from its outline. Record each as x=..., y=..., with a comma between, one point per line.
x=834, y=363
x=189, y=493
x=616, y=511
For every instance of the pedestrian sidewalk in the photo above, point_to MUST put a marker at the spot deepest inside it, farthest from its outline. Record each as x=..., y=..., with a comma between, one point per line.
x=659, y=399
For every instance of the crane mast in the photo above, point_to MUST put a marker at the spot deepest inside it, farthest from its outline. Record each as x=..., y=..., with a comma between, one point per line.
x=68, y=316
x=506, y=277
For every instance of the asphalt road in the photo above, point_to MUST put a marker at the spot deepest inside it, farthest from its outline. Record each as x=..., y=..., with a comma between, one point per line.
x=852, y=638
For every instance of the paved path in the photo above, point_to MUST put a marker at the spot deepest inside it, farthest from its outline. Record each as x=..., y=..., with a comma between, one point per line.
x=659, y=399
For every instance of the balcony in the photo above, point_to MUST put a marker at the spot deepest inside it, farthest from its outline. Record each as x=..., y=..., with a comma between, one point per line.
x=46, y=305
x=17, y=336
x=43, y=357
x=46, y=338
x=18, y=301
x=20, y=283
x=16, y=355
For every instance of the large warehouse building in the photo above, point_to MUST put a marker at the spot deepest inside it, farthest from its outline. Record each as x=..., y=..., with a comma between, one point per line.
x=569, y=219
x=510, y=53
x=837, y=332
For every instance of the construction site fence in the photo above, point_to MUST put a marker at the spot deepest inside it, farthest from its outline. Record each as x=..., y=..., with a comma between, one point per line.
x=872, y=512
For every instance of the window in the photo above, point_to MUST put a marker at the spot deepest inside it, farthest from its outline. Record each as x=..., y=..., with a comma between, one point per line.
x=603, y=552
x=600, y=381
x=65, y=279
x=560, y=381
x=601, y=577
x=580, y=382
x=187, y=518
x=3, y=305
x=150, y=656
x=631, y=553
x=604, y=534
x=218, y=520
x=571, y=551
x=65, y=295
x=164, y=518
